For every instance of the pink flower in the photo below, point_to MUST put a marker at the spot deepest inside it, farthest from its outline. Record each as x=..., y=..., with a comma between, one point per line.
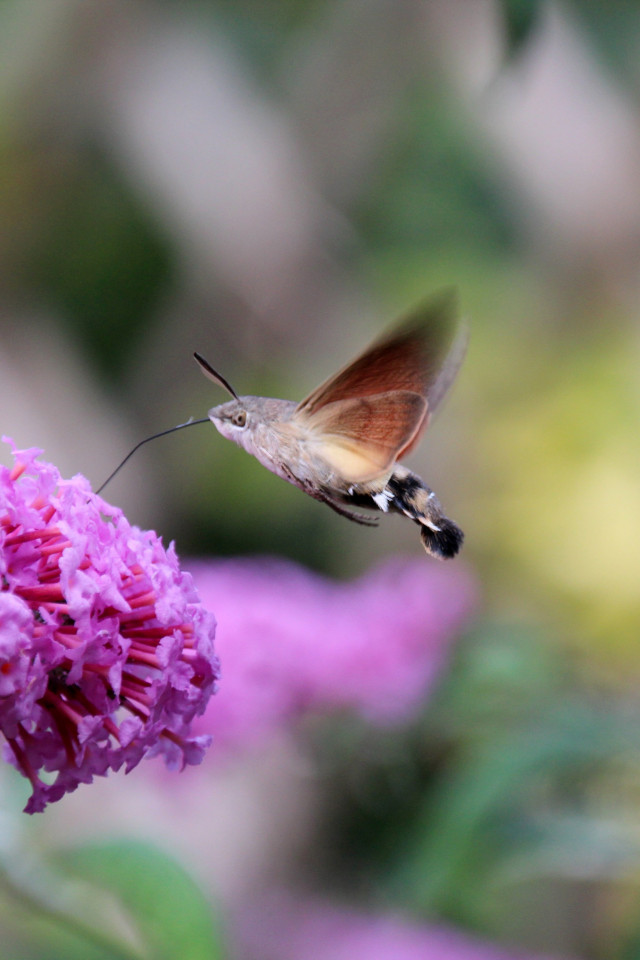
x=286, y=929
x=292, y=641
x=106, y=653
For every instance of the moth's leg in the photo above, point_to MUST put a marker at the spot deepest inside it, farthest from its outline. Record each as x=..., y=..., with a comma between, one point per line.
x=355, y=517
x=324, y=498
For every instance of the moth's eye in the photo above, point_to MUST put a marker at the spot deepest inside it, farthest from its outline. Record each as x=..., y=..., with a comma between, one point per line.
x=239, y=419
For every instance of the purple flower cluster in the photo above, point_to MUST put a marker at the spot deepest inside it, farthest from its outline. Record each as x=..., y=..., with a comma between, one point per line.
x=292, y=641
x=106, y=653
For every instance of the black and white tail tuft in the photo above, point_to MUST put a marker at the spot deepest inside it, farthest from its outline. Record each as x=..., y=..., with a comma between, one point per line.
x=444, y=541
x=441, y=537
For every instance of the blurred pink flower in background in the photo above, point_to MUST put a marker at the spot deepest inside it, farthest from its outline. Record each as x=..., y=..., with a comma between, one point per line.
x=106, y=653
x=284, y=928
x=292, y=641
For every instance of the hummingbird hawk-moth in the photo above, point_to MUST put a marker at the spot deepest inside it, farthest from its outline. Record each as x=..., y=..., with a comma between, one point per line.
x=342, y=444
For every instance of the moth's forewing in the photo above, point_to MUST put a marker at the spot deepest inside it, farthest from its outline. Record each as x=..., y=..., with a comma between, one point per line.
x=447, y=373
x=414, y=362
x=361, y=437
x=408, y=357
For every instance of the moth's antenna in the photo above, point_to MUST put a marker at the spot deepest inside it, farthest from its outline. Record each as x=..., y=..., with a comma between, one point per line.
x=212, y=374
x=190, y=423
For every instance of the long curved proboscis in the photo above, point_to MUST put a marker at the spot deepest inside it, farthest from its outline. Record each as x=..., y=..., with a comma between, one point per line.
x=212, y=374
x=190, y=423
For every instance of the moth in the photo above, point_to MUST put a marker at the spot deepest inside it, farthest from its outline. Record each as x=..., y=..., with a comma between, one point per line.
x=343, y=443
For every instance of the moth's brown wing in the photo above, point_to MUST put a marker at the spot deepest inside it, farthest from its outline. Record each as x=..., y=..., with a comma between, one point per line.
x=409, y=357
x=360, y=437
x=447, y=373
x=437, y=389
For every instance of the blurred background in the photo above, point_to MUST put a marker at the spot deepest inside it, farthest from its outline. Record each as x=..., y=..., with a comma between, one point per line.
x=270, y=184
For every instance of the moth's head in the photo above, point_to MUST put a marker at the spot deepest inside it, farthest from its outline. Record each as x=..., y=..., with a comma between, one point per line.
x=231, y=419
x=238, y=419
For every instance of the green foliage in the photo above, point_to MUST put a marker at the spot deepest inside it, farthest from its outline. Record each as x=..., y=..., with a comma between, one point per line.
x=611, y=30
x=102, y=260
x=498, y=791
x=520, y=18
x=166, y=907
x=436, y=188
x=115, y=900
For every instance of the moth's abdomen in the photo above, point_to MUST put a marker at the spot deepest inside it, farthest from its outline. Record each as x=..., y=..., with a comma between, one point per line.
x=407, y=493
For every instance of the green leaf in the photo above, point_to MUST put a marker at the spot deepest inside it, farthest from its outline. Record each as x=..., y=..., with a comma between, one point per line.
x=170, y=913
x=611, y=30
x=521, y=18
